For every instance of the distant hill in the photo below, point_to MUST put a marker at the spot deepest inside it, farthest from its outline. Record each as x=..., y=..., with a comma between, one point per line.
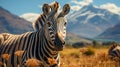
x=73, y=38
x=91, y=21
x=11, y=23
x=112, y=33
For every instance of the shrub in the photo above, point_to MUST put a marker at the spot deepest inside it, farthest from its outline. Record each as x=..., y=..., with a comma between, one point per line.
x=75, y=55
x=90, y=51
x=78, y=44
x=68, y=45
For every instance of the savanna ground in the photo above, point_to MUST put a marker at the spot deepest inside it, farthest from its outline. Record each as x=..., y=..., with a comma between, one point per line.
x=87, y=57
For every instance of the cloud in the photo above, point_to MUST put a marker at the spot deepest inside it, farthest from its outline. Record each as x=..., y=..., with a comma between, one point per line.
x=80, y=4
x=83, y=2
x=30, y=16
x=75, y=8
x=111, y=7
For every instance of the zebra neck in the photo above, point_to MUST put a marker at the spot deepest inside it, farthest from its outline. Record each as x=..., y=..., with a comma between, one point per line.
x=44, y=43
x=46, y=51
x=49, y=46
x=44, y=47
x=39, y=23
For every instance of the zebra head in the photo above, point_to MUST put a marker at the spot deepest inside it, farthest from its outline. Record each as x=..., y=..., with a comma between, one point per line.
x=40, y=21
x=61, y=22
x=56, y=25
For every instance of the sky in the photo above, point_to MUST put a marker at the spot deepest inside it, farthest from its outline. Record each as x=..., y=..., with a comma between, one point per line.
x=30, y=8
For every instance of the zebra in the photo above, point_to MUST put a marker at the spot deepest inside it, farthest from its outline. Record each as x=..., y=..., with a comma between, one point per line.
x=41, y=44
x=3, y=37
x=43, y=17
x=114, y=51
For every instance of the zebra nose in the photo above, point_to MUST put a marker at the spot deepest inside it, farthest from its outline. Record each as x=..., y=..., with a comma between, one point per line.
x=60, y=39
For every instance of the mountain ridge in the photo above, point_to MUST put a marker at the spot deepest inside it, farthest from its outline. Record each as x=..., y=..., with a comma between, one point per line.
x=112, y=33
x=10, y=23
x=91, y=21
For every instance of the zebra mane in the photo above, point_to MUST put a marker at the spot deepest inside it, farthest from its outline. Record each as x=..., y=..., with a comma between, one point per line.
x=38, y=25
x=113, y=46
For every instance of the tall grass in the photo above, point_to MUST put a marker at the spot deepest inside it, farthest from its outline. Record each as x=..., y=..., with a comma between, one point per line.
x=72, y=57
x=86, y=57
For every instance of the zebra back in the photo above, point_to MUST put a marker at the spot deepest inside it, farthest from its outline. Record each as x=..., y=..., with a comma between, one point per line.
x=3, y=37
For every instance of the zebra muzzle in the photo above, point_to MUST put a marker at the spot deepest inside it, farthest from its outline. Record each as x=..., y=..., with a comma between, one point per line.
x=59, y=43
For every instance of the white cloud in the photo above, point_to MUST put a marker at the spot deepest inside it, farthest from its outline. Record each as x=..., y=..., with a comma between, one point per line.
x=76, y=8
x=30, y=16
x=111, y=7
x=80, y=4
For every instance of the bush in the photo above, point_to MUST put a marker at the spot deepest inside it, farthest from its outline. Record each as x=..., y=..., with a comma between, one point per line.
x=109, y=43
x=78, y=44
x=75, y=55
x=90, y=51
x=68, y=46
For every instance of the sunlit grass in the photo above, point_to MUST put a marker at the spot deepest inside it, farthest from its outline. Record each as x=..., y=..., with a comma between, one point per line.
x=73, y=57
x=33, y=62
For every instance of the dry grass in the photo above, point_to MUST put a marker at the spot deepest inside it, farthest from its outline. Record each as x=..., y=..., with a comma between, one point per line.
x=33, y=62
x=19, y=53
x=1, y=63
x=52, y=61
x=6, y=56
x=72, y=57
x=6, y=59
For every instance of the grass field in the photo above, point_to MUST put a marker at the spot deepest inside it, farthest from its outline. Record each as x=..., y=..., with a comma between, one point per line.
x=73, y=57
x=76, y=57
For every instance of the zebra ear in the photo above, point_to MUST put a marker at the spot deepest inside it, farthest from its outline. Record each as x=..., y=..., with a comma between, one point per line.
x=66, y=9
x=46, y=8
x=54, y=5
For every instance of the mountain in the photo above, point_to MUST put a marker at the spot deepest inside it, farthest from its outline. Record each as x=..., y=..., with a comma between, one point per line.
x=91, y=21
x=11, y=23
x=112, y=33
x=73, y=38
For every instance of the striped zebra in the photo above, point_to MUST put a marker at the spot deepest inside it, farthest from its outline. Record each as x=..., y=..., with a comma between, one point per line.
x=43, y=43
x=3, y=37
x=43, y=17
x=114, y=51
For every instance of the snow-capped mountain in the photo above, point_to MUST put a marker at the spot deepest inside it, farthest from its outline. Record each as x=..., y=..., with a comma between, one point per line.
x=91, y=21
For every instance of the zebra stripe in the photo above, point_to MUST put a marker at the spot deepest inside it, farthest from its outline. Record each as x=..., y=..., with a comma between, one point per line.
x=39, y=22
x=41, y=44
x=35, y=45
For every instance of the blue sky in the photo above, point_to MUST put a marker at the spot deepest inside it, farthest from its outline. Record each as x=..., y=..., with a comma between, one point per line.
x=32, y=8
x=20, y=7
